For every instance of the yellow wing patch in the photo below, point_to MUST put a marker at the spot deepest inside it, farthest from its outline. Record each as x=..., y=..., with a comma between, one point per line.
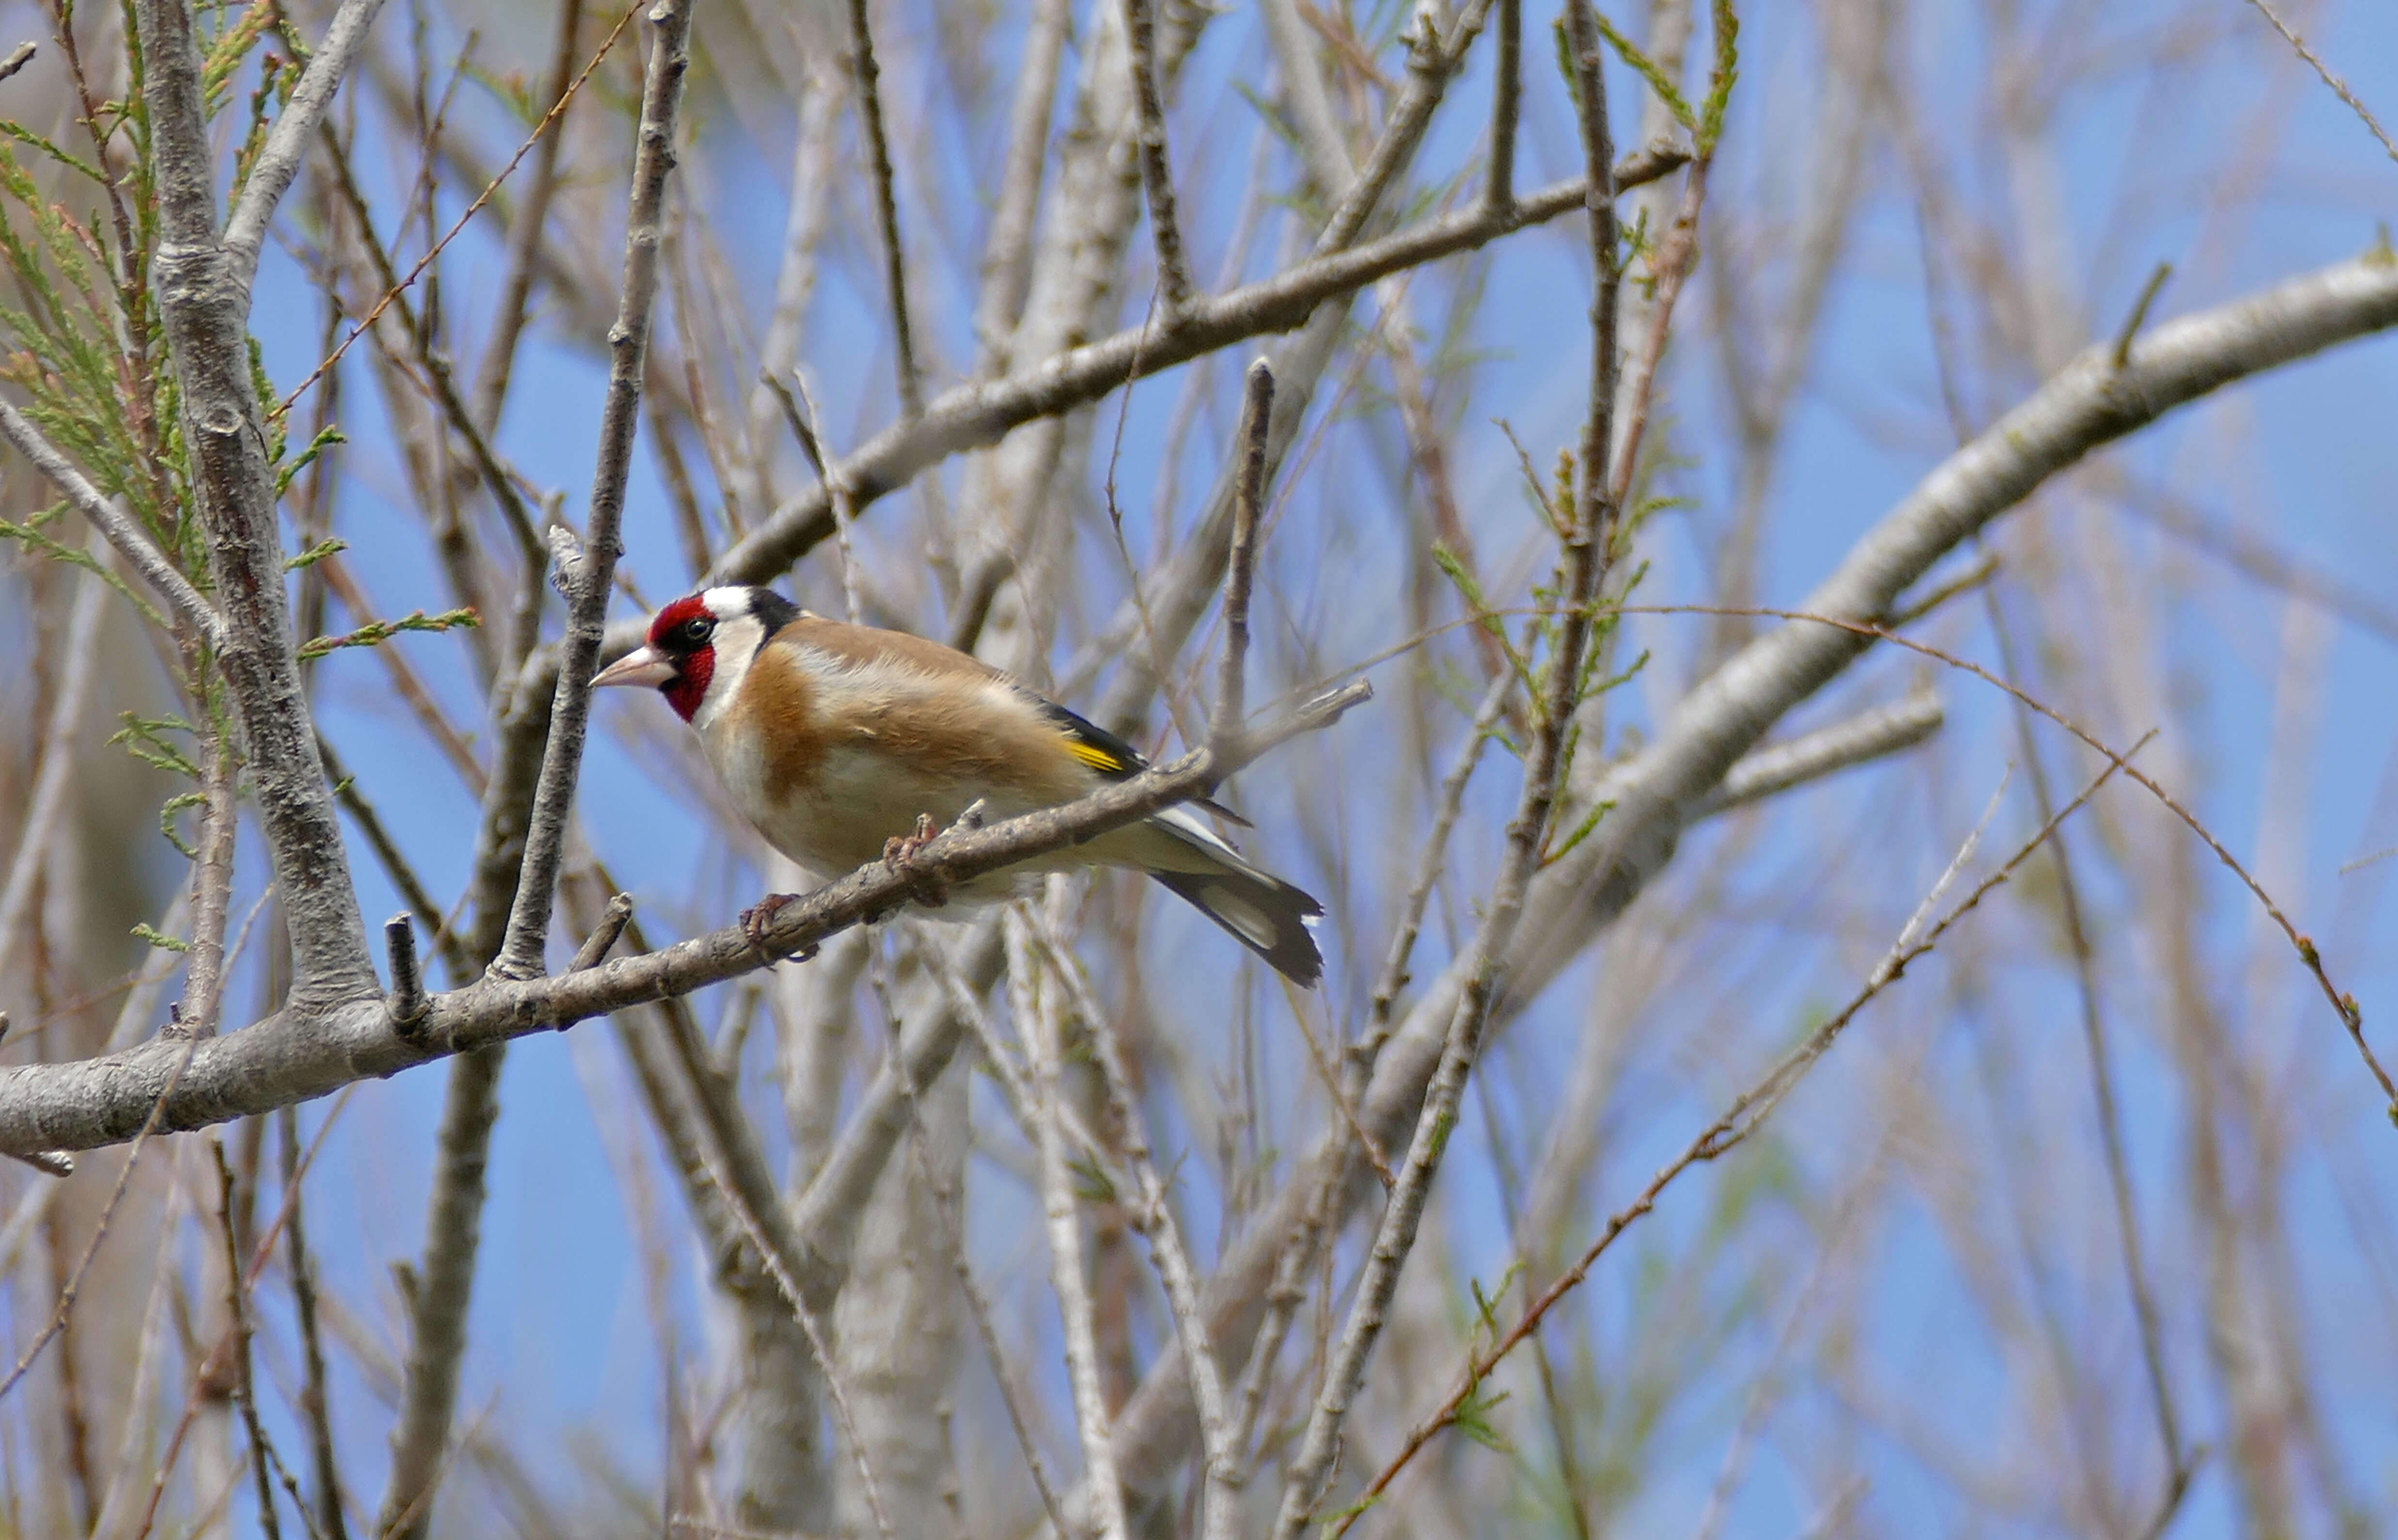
x=1096, y=756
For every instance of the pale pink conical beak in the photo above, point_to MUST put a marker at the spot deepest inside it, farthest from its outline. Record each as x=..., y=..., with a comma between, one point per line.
x=641, y=666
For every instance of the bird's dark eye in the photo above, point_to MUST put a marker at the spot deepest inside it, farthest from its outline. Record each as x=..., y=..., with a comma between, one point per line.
x=696, y=631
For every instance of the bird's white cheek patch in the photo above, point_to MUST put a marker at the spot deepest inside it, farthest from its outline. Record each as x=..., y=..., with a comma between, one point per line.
x=737, y=641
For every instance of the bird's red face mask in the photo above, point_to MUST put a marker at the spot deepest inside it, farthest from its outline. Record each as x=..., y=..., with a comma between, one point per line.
x=679, y=660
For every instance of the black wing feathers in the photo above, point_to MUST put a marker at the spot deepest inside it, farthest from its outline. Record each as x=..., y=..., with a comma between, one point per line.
x=1112, y=758
x=1092, y=744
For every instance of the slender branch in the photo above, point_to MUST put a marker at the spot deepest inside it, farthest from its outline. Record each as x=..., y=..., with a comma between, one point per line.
x=1240, y=574
x=1430, y=859
x=526, y=232
x=278, y=159
x=1506, y=106
x=735, y=1165
x=438, y=1293
x=982, y=412
x=1432, y=61
x=241, y=1329
x=330, y=1522
x=1588, y=545
x=1869, y=735
x=2094, y=1039
x=1042, y=1022
x=2339, y=87
x=1323, y=147
x=115, y=524
x=521, y=954
x=432, y=363
x=886, y=208
x=1007, y=246
x=56, y=771
x=1152, y=1215
x=374, y=312
x=1747, y=1113
x=1014, y=1397
x=1156, y=168
x=74, y=1285
x=212, y=885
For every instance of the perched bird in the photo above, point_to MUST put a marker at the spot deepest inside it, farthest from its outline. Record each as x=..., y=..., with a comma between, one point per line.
x=833, y=739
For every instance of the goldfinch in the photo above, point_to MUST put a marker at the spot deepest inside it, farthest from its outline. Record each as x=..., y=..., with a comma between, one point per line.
x=834, y=739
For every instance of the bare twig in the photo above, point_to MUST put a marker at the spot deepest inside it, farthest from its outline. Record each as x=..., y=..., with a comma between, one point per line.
x=407, y=981
x=2261, y=561
x=116, y=524
x=1506, y=106
x=2095, y=1038
x=1240, y=572
x=1430, y=858
x=1748, y=1112
x=1156, y=166
x=1042, y=1022
x=100, y=1227
x=603, y=936
x=886, y=208
x=2339, y=87
x=278, y=159
x=238, y=1326
x=2139, y=316
x=1587, y=549
x=2343, y=1004
x=1432, y=61
x=1015, y=1396
x=437, y=1297
x=520, y=955
x=1152, y=1214
x=1980, y=571
x=526, y=232
x=330, y=1522
x=374, y=312
x=735, y=1168
x=56, y=773
x=981, y=413
x=1007, y=248
x=1869, y=735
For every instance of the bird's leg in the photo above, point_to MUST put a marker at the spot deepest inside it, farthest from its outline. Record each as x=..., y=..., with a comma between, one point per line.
x=899, y=853
x=759, y=916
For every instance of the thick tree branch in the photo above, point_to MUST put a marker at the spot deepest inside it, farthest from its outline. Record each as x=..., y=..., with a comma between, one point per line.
x=204, y=302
